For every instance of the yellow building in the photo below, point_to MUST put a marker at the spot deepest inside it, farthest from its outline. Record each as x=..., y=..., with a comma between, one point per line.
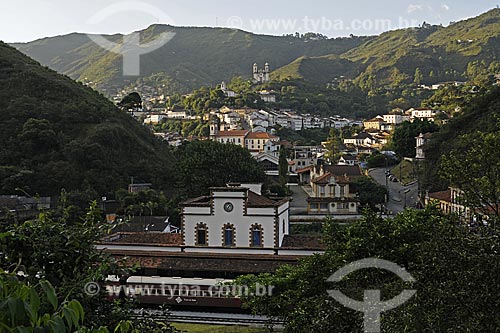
x=374, y=123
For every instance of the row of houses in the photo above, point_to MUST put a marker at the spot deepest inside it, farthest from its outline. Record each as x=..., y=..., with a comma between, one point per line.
x=263, y=120
x=255, y=142
x=388, y=122
x=451, y=201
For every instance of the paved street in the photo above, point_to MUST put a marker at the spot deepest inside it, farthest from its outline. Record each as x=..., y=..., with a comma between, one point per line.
x=298, y=205
x=396, y=191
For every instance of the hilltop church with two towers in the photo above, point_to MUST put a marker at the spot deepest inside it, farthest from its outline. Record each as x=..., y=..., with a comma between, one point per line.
x=261, y=75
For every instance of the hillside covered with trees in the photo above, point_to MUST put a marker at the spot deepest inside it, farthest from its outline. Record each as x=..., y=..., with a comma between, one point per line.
x=194, y=57
x=465, y=50
x=468, y=132
x=56, y=133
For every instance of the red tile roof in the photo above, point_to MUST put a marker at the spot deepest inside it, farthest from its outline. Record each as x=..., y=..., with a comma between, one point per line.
x=256, y=201
x=342, y=179
x=156, y=238
x=260, y=135
x=341, y=170
x=493, y=209
x=325, y=179
x=200, y=201
x=303, y=242
x=205, y=262
x=233, y=133
x=442, y=195
x=303, y=170
x=374, y=120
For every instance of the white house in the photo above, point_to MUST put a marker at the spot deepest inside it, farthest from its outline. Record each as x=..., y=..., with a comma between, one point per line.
x=258, y=142
x=255, y=142
x=305, y=156
x=317, y=123
x=450, y=201
x=421, y=113
x=226, y=91
x=258, y=119
x=232, y=119
x=269, y=163
x=235, y=217
x=395, y=119
x=259, y=122
x=348, y=160
x=295, y=122
x=421, y=141
x=235, y=137
x=259, y=129
x=360, y=139
x=154, y=118
x=338, y=122
x=176, y=114
x=307, y=121
x=276, y=118
x=268, y=96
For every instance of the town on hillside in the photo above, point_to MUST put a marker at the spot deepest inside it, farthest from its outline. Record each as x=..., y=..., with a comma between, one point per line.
x=238, y=181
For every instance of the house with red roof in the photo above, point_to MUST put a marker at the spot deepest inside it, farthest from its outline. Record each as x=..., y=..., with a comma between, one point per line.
x=258, y=142
x=255, y=142
x=449, y=202
x=236, y=137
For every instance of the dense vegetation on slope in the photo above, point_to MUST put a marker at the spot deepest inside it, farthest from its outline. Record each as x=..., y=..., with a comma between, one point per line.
x=392, y=58
x=481, y=115
x=320, y=70
x=56, y=134
x=194, y=57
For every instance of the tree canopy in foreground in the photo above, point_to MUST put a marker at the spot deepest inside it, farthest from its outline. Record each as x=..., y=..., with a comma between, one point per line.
x=457, y=276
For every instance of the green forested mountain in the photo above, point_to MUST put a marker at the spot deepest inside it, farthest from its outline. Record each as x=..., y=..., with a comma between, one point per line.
x=56, y=133
x=318, y=70
x=460, y=51
x=205, y=56
x=481, y=115
x=193, y=58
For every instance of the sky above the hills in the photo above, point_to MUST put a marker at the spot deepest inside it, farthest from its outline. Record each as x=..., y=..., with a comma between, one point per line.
x=27, y=20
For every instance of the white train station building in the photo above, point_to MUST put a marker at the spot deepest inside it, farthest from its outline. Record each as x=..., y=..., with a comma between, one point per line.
x=235, y=217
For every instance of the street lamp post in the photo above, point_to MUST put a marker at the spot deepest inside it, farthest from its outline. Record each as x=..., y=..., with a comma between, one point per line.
x=386, y=173
x=401, y=171
x=406, y=192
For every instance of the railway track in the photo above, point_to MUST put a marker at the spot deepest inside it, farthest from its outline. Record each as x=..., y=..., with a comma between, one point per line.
x=207, y=317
